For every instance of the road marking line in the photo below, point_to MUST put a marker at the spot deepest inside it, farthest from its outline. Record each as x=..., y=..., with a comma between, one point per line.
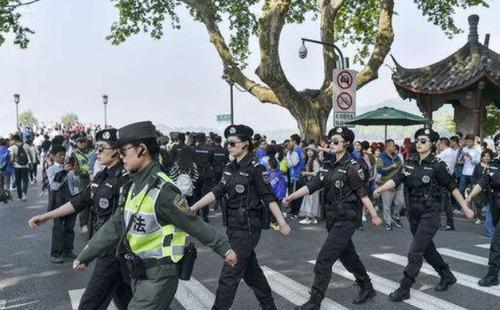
x=193, y=295
x=484, y=246
x=293, y=291
x=2, y=304
x=76, y=295
x=462, y=279
x=464, y=256
x=385, y=286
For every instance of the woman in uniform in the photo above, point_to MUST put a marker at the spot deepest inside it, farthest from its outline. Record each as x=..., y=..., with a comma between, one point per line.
x=244, y=185
x=424, y=178
x=344, y=187
x=491, y=181
x=101, y=199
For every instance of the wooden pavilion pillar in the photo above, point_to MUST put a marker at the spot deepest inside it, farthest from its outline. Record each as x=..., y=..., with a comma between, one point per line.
x=476, y=109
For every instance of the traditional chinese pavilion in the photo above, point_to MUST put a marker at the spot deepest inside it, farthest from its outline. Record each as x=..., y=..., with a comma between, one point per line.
x=469, y=79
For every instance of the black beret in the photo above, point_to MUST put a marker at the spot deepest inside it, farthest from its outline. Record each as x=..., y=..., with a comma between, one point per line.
x=135, y=132
x=201, y=136
x=497, y=137
x=240, y=131
x=431, y=134
x=344, y=132
x=107, y=135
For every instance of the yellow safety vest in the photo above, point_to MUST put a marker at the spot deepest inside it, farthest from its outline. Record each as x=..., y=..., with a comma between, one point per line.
x=146, y=237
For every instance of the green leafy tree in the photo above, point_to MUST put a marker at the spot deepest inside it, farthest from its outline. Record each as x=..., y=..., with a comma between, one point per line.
x=491, y=124
x=27, y=118
x=69, y=119
x=10, y=22
x=365, y=23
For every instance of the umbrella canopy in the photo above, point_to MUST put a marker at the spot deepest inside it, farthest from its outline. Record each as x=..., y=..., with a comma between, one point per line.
x=388, y=117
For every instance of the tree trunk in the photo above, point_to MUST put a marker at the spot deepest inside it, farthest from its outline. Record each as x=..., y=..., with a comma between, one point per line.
x=311, y=120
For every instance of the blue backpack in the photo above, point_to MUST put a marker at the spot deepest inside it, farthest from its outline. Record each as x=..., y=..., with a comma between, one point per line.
x=4, y=161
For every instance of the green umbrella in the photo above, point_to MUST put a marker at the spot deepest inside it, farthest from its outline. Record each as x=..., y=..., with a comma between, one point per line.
x=388, y=117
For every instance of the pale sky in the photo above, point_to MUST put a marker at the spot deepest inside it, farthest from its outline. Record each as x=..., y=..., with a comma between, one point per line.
x=176, y=81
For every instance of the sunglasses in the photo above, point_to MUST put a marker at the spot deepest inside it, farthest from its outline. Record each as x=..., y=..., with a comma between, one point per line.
x=101, y=148
x=233, y=143
x=497, y=143
x=336, y=142
x=124, y=151
x=422, y=140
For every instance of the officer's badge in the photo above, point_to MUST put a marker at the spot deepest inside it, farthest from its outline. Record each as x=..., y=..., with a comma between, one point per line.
x=106, y=135
x=427, y=132
x=181, y=203
x=361, y=174
x=339, y=130
x=265, y=177
x=239, y=188
x=232, y=130
x=426, y=179
x=104, y=203
x=339, y=184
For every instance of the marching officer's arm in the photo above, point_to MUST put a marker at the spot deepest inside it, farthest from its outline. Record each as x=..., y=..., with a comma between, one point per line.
x=104, y=240
x=172, y=208
x=483, y=182
x=445, y=180
x=356, y=178
x=82, y=200
x=316, y=183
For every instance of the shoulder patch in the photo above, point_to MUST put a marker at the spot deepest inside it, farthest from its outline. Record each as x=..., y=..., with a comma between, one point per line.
x=265, y=177
x=361, y=174
x=181, y=203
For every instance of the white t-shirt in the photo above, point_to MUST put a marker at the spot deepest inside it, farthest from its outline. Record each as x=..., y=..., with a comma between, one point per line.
x=449, y=156
x=472, y=161
x=13, y=149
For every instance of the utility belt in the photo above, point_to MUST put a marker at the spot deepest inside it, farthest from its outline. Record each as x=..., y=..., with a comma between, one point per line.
x=137, y=265
x=343, y=211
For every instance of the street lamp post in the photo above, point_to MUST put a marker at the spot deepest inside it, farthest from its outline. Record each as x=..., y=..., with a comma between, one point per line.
x=344, y=62
x=105, y=102
x=17, y=98
x=231, y=85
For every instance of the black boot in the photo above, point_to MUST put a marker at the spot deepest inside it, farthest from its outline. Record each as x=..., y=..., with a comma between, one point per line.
x=447, y=280
x=314, y=302
x=403, y=291
x=269, y=307
x=491, y=278
x=366, y=292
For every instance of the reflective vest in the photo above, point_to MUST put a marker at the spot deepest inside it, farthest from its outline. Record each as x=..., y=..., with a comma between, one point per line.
x=82, y=162
x=147, y=237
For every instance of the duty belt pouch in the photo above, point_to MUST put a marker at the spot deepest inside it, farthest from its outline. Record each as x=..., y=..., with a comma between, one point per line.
x=187, y=262
x=135, y=266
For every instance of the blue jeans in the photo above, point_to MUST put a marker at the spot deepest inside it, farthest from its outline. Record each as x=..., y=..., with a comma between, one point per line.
x=489, y=225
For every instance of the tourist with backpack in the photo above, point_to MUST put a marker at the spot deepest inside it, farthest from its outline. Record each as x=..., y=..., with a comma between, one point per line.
x=20, y=156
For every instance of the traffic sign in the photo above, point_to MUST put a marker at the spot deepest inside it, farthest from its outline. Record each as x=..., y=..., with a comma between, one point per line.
x=344, y=96
x=224, y=118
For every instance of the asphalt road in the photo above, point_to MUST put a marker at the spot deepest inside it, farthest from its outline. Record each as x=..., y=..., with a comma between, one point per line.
x=29, y=281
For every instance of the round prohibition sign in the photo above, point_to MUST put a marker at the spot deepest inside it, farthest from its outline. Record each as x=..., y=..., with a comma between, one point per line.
x=344, y=101
x=344, y=79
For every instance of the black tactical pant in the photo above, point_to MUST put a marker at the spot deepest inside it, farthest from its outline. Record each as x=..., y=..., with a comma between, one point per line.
x=63, y=235
x=495, y=241
x=202, y=187
x=423, y=226
x=106, y=283
x=248, y=269
x=338, y=245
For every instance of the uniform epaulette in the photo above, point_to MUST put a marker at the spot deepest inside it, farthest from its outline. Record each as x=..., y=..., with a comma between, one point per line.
x=353, y=161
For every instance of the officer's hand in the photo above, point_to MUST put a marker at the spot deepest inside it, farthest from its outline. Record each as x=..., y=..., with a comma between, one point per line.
x=231, y=258
x=468, y=200
x=376, y=193
x=78, y=265
x=286, y=201
x=376, y=221
x=85, y=229
x=36, y=221
x=469, y=213
x=285, y=229
x=192, y=209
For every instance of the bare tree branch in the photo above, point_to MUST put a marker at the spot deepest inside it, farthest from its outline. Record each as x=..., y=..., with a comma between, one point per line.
x=262, y=93
x=383, y=43
x=13, y=6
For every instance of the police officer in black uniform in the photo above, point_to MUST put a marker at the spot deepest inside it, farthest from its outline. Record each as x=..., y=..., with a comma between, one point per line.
x=220, y=158
x=203, y=156
x=424, y=178
x=344, y=186
x=491, y=181
x=100, y=198
x=248, y=198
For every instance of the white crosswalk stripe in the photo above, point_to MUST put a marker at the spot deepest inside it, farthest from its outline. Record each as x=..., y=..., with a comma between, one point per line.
x=190, y=294
x=418, y=299
x=484, y=246
x=193, y=295
x=293, y=291
x=475, y=259
x=462, y=279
